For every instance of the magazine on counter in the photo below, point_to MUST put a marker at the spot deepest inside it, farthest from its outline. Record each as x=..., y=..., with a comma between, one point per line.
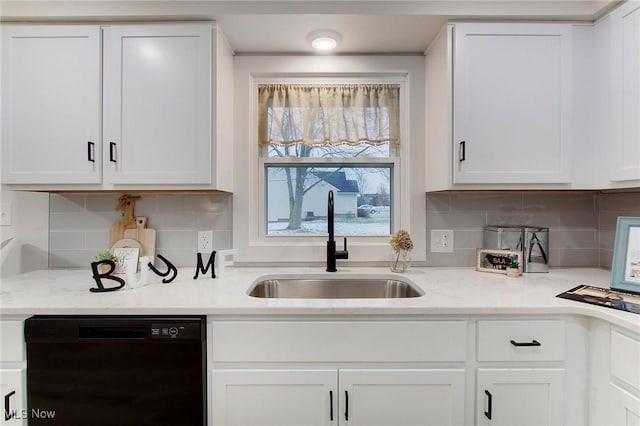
x=614, y=299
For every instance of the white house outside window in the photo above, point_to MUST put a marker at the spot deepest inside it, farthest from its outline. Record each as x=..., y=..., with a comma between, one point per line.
x=316, y=138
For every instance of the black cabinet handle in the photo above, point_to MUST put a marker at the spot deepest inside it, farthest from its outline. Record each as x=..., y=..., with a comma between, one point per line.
x=112, y=152
x=487, y=413
x=8, y=413
x=91, y=152
x=331, y=405
x=531, y=343
x=346, y=406
x=462, y=154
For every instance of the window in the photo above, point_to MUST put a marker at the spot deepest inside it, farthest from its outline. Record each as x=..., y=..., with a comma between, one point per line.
x=317, y=138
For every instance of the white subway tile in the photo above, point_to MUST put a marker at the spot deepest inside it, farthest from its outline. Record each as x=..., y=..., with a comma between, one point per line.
x=171, y=240
x=66, y=240
x=65, y=203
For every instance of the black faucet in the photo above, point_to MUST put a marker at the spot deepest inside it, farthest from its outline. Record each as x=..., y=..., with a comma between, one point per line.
x=332, y=253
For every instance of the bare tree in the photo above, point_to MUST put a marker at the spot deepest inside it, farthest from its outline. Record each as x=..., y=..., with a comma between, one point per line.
x=301, y=179
x=383, y=196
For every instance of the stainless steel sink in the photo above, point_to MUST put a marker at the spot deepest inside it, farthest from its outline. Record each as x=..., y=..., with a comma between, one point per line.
x=333, y=288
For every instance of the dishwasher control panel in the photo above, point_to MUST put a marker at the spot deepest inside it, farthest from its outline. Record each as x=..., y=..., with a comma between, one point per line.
x=182, y=331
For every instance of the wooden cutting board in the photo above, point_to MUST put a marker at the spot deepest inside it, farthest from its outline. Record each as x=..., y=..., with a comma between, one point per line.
x=126, y=203
x=145, y=236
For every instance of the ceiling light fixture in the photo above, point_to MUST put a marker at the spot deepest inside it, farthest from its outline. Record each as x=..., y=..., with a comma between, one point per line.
x=324, y=40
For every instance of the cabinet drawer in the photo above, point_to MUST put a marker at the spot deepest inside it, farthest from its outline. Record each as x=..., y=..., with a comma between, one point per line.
x=521, y=340
x=625, y=353
x=339, y=341
x=12, y=348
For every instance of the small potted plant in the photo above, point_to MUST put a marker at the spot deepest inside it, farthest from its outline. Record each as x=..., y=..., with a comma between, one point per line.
x=513, y=269
x=401, y=246
x=106, y=255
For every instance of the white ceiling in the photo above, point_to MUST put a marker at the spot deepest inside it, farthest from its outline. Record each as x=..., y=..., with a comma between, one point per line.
x=360, y=33
x=282, y=26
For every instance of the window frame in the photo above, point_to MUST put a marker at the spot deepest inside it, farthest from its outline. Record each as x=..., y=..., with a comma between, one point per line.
x=310, y=255
x=399, y=214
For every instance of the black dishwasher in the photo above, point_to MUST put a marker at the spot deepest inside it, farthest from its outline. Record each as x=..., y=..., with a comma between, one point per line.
x=116, y=370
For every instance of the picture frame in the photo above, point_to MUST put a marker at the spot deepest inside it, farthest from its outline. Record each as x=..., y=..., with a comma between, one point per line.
x=127, y=258
x=625, y=266
x=496, y=261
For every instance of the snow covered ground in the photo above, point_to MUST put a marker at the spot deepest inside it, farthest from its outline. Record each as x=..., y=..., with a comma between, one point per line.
x=377, y=224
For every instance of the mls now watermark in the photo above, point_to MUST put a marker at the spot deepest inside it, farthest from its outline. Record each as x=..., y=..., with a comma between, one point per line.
x=36, y=413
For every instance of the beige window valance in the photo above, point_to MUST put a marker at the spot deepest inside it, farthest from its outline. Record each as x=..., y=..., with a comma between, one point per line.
x=352, y=114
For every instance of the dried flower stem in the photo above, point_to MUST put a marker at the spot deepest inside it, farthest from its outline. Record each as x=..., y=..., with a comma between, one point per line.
x=400, y=242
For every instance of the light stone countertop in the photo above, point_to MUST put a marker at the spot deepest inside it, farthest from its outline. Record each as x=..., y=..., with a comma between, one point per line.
x=447, y=291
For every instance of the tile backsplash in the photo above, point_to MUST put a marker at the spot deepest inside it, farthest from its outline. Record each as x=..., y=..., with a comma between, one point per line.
x=79, y=224
x=581, y=224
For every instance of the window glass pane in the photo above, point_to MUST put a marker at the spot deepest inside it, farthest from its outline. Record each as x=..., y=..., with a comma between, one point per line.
x=296, y=201
x=328, y=151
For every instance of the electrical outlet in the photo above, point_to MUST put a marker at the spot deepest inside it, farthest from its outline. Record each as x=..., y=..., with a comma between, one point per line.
x=5, y=214
x=442, y=240
x=205, y=241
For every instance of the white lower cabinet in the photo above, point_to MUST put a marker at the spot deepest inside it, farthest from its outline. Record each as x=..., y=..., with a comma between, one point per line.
x=12, y=382
x=430, y=397
x=521, y=378
x=624, y=378
x=12, y=373
x=519, y=397
x=286, y=397
x=299, y=397
x=353, y=371
x=338, y=372
x=625, y=407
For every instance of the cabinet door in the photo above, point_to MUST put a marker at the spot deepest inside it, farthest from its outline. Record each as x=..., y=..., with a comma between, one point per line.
x=520, y=397
x=625, y=409
x=274, y=397
x=511, y=103
x=157, y=104
x=402, y=397
x=51, y=104
x=625, y=68
x=13, y=394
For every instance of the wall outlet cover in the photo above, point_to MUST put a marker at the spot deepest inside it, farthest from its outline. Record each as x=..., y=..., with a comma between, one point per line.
x=442, y=240
x=205, y=242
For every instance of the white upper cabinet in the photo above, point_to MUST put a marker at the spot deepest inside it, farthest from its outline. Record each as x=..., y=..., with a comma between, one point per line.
x=625, y=92
x=157, y=104
x=512, y=103
x=51, y=104
x=163, y=91
x=499, y=109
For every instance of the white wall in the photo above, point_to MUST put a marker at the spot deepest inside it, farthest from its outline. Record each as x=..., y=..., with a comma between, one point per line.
x=249, y=239
x=29, y=233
